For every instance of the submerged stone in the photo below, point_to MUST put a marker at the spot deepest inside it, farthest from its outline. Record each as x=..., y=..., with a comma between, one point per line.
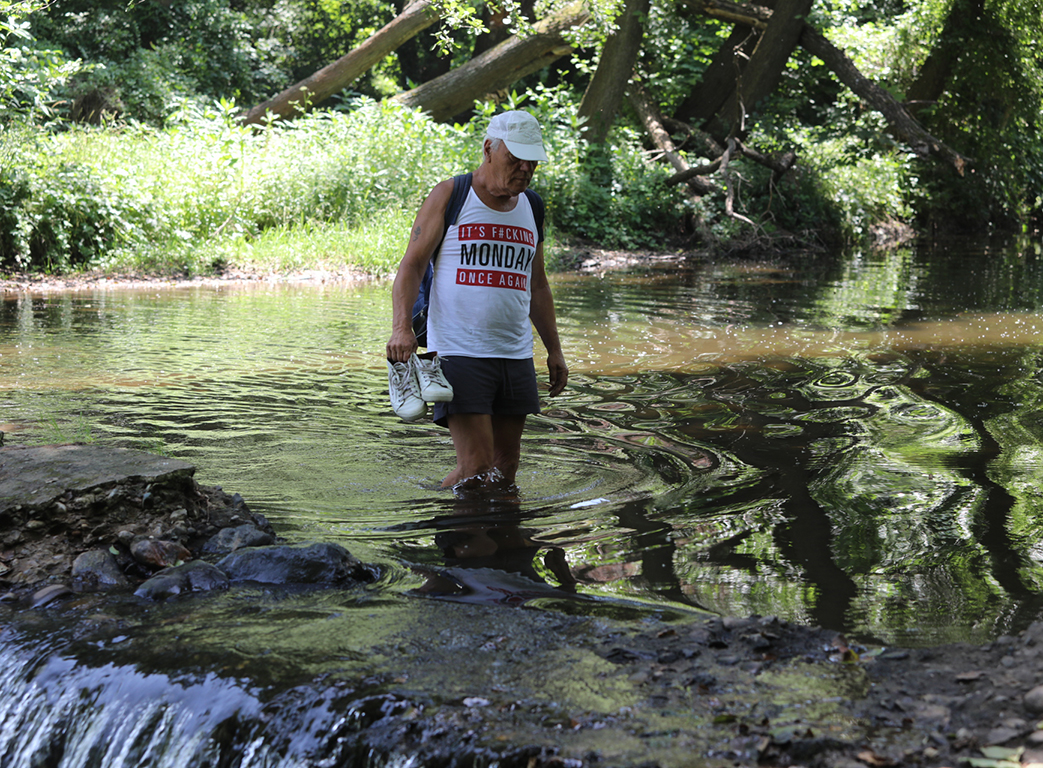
x=49, y=594
x=196, y=576
x=319, y=563
x=230, y=539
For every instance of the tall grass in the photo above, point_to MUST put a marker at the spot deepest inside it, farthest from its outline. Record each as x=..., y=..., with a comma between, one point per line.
x=329, y=190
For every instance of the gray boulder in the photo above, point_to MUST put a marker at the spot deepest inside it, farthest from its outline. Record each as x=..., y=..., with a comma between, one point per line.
x=320, y=563
x=97, y=569
x=230, y=539
x=196, y=576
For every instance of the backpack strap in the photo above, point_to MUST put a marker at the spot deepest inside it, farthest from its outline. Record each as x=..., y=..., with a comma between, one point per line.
x=539, y=211
x=461, y=186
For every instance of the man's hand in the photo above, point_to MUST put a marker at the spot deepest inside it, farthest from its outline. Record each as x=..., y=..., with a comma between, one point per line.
x=401, y=345
x=559, y=373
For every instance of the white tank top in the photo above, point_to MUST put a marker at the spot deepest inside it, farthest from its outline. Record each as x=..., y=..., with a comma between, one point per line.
x=480, y=294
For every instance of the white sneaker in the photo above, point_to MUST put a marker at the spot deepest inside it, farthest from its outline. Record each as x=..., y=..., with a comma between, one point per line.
x=433, y=386
x=404, y=391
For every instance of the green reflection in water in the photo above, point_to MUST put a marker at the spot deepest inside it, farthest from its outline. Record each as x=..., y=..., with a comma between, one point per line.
x=852, y=444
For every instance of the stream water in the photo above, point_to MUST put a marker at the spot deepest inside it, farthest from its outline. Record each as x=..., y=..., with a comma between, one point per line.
x=852, y=442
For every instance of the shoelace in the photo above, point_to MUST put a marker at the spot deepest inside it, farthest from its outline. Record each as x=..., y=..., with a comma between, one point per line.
x=429, y=376
x=408, y=385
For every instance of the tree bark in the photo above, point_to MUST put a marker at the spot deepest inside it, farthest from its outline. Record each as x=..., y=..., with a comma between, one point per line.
x=936, y=69
x=762, y=74
x=717, y=84
x=903, y=126
x=647, y=110
x=337, y=76
x=607, y=87
x=458, y=90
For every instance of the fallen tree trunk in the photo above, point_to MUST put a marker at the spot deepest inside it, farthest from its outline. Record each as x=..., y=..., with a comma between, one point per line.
x=605, y=92
x=457, y=91
x=903, y=126
x=340, y=74
x=646, y=109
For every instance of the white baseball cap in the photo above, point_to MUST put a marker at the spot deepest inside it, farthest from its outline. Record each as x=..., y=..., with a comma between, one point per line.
x=520, y=132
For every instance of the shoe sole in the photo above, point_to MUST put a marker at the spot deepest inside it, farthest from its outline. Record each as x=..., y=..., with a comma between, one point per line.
x=437, y=395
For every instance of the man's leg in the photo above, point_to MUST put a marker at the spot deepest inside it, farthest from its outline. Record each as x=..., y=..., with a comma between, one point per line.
x=484, y=443
x=507, y=436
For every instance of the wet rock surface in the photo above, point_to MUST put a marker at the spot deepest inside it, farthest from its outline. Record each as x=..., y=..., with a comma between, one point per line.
x=319, y=563
x=455, y=684
x=97, y=518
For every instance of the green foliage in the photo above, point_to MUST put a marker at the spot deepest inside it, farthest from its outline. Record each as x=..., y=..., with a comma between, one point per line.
x=324, y=30
x=676, y=52
x=151, y=55
x=29, y=73
x=989, y=106
x=205, y=191
x=616, y=199
x=611, y=195
x=992, y=110
x=56, y=215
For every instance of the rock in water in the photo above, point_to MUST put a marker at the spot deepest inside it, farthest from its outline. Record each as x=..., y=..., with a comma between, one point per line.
x=158, y=553
x=97, y=569
x=320, y=563
x=231, y=539
x=195, y=576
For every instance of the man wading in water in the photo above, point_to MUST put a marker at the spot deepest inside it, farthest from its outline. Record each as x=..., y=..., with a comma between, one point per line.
x=489, y=289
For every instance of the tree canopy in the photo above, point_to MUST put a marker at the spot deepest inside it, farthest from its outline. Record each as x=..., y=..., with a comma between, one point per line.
x=762, y=114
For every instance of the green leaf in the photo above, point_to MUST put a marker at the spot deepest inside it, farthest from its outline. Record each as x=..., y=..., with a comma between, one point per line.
x=1002, y=753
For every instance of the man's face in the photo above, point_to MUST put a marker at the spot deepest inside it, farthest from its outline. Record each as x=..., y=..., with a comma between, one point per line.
x=509, y=171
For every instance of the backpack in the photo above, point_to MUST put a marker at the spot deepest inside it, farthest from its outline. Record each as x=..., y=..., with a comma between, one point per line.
x=461, y=186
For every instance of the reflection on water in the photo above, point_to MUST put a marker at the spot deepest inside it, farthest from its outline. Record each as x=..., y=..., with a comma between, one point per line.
x=854, y=444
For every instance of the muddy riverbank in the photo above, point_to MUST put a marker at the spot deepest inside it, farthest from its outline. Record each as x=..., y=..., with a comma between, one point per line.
x=570, y=682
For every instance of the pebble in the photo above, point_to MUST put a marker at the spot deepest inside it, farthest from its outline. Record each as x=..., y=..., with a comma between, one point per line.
x=1034, y=700
x=49, y=595
x=1001, y=735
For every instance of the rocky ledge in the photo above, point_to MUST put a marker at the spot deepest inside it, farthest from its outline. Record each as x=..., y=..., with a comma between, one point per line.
x=87, y=518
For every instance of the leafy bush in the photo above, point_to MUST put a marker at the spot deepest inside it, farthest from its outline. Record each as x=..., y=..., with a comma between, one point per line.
x=29, y=73
x=57, y=216
x=611, y=195
x=150, y=55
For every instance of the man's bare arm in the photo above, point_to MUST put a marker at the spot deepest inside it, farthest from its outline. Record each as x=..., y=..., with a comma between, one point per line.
x=423, y=238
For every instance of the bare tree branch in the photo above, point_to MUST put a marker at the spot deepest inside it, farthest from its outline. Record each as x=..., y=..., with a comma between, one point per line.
x=653, y=121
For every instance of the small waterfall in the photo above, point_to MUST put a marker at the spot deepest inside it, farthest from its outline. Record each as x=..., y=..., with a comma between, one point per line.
x=59, y=709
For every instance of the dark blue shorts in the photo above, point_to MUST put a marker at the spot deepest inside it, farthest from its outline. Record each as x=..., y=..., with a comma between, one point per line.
x=493, y=385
